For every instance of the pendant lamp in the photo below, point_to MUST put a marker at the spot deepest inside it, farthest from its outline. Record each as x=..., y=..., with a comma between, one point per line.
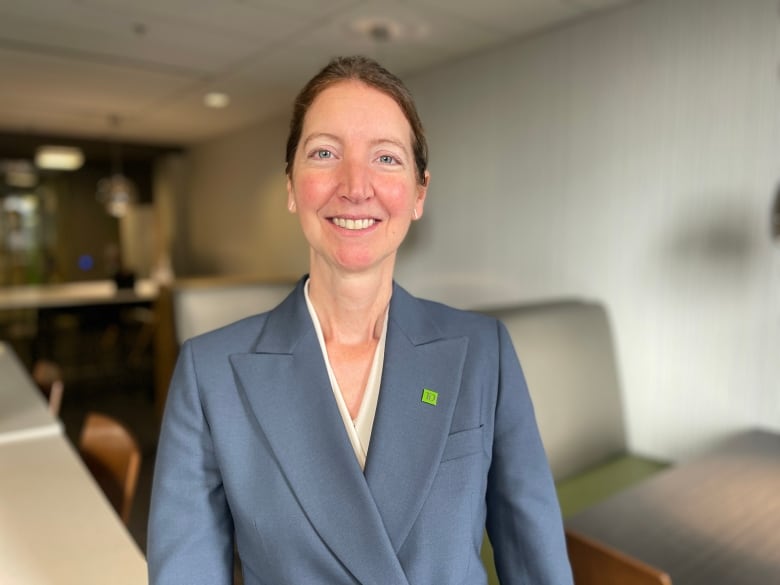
x=117, y=193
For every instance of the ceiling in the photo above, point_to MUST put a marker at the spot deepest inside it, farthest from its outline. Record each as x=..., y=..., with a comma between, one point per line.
x=68, y=66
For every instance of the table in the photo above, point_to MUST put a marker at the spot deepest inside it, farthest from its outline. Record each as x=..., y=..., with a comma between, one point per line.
x=713, y=520
x=75, y=294
x=95, y=305
x=23, y=409
x=56, y=526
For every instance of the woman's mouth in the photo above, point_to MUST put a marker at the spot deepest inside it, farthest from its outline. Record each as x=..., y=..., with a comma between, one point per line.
x=353, y=224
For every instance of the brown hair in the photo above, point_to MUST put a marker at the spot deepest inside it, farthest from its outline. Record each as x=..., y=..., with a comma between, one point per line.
x=371, y=73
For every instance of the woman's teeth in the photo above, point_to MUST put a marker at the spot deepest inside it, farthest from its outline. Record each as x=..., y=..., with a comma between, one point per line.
x=353, y=224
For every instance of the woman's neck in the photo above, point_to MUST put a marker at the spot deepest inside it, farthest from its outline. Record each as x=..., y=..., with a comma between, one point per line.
x=351, y=308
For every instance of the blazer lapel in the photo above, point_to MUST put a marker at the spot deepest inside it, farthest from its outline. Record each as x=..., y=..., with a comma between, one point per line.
x=409, y=434
x=285, y=384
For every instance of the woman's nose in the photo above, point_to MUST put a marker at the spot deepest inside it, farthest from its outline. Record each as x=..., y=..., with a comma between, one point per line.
x=355, y=180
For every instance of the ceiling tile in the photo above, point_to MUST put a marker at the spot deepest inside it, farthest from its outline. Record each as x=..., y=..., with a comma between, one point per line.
x=198, y=37
x=515, y=16
x=597, y=4
x=426, y=36
x=67, y=65
x=85, y=91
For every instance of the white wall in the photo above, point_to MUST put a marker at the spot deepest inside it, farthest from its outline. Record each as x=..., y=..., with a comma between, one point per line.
x=629, y=158
x=138, y=239
x=235, y=219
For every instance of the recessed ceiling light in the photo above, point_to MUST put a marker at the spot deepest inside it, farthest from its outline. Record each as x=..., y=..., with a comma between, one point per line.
x=378, y=30
x=216, y=100
x=381, y=30
x=59, y=158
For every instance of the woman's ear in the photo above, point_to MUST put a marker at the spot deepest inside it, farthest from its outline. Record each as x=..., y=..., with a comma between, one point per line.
x=290, y=196
x=422, y=192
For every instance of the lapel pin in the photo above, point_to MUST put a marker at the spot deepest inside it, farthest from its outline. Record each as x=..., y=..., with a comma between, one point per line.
x=429, y=396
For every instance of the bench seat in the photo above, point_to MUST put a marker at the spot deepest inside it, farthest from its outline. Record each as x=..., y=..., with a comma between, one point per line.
x=569, y=361
x=597, y=483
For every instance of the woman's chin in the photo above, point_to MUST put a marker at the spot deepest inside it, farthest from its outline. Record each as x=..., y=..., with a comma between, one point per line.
x=356, y=263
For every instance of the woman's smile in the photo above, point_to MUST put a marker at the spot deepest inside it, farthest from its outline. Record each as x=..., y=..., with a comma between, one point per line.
x=353, y=224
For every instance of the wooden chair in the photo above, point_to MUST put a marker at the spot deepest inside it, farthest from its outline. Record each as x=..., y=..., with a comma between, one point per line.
x=112, y=455
x=48, y=377
x=594, y=563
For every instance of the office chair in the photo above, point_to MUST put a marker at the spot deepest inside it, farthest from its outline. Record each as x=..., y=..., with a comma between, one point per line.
x=594, y=563
x=112, y=455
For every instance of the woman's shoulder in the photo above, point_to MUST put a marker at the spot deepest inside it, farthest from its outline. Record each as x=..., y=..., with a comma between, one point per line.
x=236, y=336
x=243, y=334
x=450, y=314
x=454, y=321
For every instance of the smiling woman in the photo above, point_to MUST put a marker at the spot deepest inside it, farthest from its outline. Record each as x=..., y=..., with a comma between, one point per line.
x=355, y=433
x=353, y=181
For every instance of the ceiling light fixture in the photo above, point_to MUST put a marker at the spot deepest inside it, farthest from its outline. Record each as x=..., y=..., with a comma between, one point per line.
x=59, y=158
x=216, y=100
x=116, y=192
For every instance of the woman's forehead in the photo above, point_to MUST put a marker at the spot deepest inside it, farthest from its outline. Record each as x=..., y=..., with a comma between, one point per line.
x=354, y=104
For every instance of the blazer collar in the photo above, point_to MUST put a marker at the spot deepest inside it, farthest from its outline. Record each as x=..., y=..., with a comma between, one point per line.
x=409, y=435
x=290, y=321
x=364, y=519
x=287, y=324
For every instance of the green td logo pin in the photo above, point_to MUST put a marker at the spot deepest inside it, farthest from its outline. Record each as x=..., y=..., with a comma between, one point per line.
x=429, y=396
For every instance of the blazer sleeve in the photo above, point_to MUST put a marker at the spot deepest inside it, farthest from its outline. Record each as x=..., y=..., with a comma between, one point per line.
x=523, y=516
x=190, y=534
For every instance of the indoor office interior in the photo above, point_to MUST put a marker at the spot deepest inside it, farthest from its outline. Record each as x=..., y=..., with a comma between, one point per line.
x=609, y=165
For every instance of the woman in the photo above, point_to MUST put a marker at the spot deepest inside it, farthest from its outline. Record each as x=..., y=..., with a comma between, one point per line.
x=353, y=434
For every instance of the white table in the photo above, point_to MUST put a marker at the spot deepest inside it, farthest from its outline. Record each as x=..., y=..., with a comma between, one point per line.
x=23, y=411
x=56, y=526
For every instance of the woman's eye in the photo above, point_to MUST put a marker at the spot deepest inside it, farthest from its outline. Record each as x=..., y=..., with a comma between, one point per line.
x=323, y=154
x=387, y=159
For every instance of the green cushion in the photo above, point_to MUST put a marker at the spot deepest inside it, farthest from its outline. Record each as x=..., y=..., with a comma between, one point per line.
x=585, y=489
x=487, y=560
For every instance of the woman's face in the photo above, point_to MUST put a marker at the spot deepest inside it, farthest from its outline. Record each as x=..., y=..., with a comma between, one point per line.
x=353, y=180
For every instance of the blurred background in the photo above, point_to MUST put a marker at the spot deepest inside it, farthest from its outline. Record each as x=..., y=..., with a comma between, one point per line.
x=622, y=151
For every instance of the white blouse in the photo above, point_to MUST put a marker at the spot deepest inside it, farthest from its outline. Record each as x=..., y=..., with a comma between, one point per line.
x=359, y=429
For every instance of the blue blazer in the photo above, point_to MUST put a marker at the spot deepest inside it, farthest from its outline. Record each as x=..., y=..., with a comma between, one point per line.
x=253, y=452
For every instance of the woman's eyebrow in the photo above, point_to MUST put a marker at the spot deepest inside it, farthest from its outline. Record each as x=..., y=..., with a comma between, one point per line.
x=320, y=135
x=393, y=141
x=374, y=143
